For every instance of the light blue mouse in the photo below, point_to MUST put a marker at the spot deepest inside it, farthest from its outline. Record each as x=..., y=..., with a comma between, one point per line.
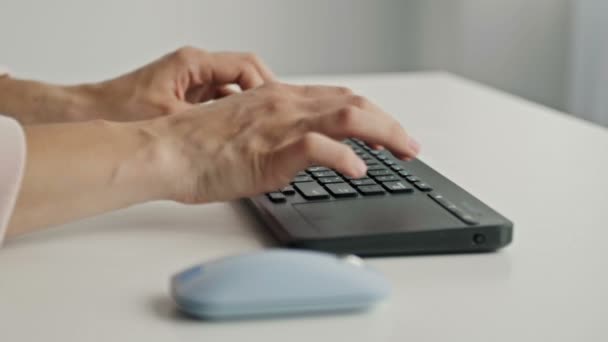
x=277, y=282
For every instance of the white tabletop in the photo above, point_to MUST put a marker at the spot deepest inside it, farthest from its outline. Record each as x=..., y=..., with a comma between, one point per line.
x=106, y=278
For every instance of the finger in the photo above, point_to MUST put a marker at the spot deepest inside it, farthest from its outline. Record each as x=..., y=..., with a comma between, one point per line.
x=317, y=149
x=225, y=90
x=248, y=78
x=263, y=69
x=374, y=121
x=199, y=94
x=376, y=129
x=319, y=91
x=206, y=93
x=244, y=69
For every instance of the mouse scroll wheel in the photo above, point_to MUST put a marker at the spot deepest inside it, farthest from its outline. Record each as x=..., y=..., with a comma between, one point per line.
x=353, y=260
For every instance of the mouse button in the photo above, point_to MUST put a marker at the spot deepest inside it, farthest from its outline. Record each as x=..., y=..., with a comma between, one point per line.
x=283, y=276
x=188, y=273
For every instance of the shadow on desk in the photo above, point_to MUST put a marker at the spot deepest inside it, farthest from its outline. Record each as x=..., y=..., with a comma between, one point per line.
x=166, y=309
x=169, y=221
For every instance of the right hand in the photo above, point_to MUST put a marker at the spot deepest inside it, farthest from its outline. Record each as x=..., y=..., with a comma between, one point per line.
x=256, y=141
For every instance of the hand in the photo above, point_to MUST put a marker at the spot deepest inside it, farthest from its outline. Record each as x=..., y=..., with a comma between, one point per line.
x=238, y=146
x=256, y=141
x=176, y=82
x=172, y=84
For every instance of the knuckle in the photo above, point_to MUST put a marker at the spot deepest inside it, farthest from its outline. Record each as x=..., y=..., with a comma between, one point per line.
x=358, y=101
x=276, y=103
x=251, y=57
x=187, y=53
x=273, y=87
x=345, y=91
x=396, y=130
x=347, y=116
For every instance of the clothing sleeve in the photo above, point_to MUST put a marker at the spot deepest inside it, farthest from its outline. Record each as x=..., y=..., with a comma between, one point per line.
x=12, y=164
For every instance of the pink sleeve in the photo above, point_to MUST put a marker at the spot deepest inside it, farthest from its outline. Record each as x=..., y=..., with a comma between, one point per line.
x=12, y=162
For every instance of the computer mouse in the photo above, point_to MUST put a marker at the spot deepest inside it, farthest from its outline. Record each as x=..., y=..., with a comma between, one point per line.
x=277, y=282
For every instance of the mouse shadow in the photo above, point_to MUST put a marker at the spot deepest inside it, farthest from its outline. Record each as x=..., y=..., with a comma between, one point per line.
x=163, y=307
x=138, y=219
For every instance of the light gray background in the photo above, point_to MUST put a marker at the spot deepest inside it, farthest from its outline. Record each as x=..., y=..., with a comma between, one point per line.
x=521, y=46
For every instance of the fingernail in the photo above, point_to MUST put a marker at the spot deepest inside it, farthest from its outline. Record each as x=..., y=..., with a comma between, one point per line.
x=414, y=145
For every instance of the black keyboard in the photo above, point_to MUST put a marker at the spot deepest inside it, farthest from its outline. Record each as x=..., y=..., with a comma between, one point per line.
x=399, y=207
x=384, y=177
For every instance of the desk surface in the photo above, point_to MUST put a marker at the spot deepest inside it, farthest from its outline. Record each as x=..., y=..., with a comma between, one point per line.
x=106, y=278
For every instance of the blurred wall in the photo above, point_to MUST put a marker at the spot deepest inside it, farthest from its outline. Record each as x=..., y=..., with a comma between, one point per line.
x=75, y=40
x=519, y=46
x=589, y=61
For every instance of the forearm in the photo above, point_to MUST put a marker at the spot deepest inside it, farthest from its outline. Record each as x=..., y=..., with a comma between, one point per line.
x=81, y=169
x=32, y=102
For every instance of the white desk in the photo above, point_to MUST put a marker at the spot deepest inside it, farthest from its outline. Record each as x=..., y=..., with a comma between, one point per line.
x=106, y=279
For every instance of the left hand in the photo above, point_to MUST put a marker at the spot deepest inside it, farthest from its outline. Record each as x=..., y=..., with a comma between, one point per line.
x=175, y=83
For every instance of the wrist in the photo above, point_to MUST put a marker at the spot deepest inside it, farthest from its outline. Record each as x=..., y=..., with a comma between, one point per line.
x=152, y=167
x=176, y=173
x=32, y=102
x=79, y=102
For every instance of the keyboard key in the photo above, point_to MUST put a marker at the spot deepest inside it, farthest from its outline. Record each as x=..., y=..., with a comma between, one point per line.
x=468, y=219
x=376, y=167
x=389, y=162
x=396, y=167
x=288, y=190
x=462, y=215
x=375, y=152
x=451, y=207
x=389, y=178
x=399, y=186
x=380, y=172
x=423, y=186
x=311, y=190
x=327, y=180
x=403, y=173
x=341, y=190
x=368, y=190
x=301, y=173
x=372, y=162
x=317, y=168
x=381, y=157
x=364, y=181
x=412, y=179
x=367, y=157
x=301, y=179
x=276, y=197
x=443, y=201
x=319, y=174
